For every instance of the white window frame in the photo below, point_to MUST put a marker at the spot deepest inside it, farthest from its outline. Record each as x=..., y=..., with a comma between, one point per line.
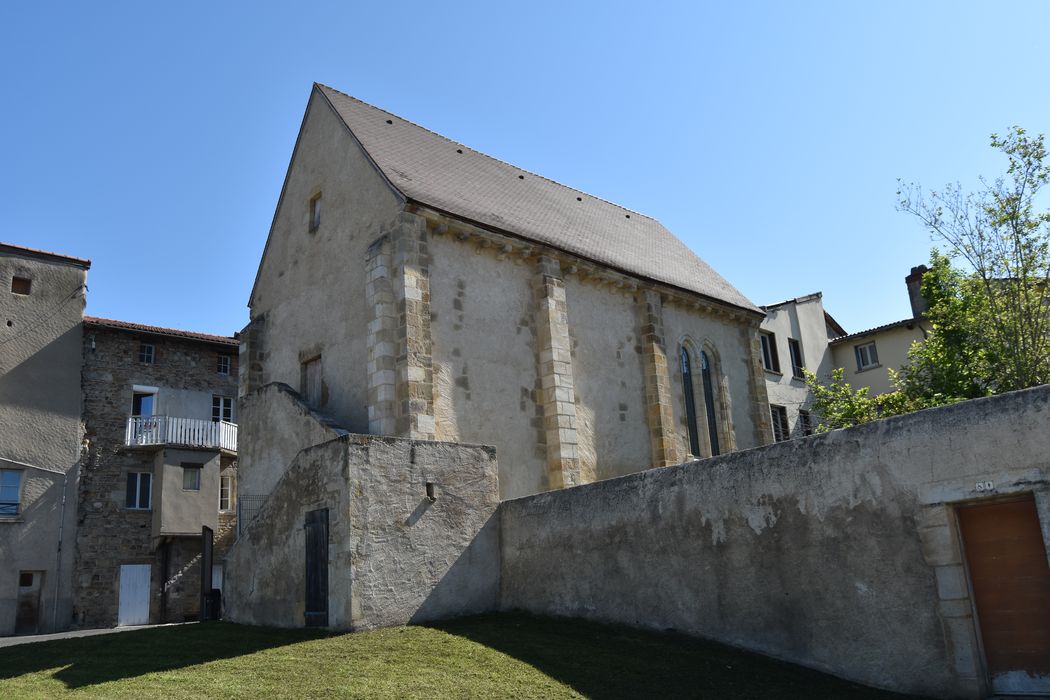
x=224, y=365
x=223, y=403
x=138, y=491
x=867, y=355
x=189, y=468
x=152, y=353
x=225, y=484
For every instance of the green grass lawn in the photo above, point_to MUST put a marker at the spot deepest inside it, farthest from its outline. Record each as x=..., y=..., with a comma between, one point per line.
x=515, y=656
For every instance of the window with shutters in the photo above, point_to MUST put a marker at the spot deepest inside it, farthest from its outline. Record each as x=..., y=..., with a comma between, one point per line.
x=780, y=423
x=770, y=360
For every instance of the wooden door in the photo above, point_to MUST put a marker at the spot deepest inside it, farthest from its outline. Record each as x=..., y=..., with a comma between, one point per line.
x=27, y=612
x=317, y=568
x=133, y=603
x=1011, y=586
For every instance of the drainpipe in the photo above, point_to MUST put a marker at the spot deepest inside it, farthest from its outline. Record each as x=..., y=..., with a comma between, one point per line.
x=61, y=530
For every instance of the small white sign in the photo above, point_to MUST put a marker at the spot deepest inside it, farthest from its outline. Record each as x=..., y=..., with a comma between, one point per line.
x=985, y=486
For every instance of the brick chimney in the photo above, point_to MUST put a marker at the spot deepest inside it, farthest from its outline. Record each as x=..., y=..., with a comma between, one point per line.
x=914, y=282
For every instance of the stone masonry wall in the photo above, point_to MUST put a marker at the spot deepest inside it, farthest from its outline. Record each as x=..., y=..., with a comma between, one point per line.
x=109, y=534
x=838, y=551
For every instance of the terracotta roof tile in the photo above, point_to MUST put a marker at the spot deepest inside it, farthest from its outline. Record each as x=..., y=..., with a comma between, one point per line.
x=46, y=254
x=157, y=330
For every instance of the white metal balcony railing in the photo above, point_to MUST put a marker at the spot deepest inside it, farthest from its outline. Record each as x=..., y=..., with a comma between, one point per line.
x=169, y=430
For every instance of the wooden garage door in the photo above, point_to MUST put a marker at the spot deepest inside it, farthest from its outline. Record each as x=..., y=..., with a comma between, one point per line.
x=1011, y=586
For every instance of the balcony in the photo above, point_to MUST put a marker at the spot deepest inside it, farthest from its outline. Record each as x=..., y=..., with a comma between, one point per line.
x=147, y=431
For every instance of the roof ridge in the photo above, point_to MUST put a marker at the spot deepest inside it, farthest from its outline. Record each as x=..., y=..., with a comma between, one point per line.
x=486, y=155
x=145, y=327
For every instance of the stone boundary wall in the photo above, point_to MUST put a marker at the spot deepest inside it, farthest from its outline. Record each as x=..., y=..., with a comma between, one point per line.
x=838, y=551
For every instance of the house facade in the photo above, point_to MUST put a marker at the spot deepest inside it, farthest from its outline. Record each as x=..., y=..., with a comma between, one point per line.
x=794, y=337
x=413, y=287
x=160, y=416
x=41, y=303
x=867, y=356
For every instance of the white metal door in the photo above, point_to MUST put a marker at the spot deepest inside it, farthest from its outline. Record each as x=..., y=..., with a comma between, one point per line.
x=134, y=594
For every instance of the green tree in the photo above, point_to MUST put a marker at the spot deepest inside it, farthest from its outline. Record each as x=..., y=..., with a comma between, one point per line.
x=839, y=405
x=991, y=322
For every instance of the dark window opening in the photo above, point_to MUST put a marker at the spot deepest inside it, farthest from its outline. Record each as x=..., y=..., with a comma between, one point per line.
x=709, y=401
x=143, y=404
x=21, y=285
x=805, y=422
x=137, y=496
x=223, y=366
x=795, y=348
x=315, y=212
x=780, y=423
x=770, y=360
x=147, y=353
x=191, y=476
x=690, y=404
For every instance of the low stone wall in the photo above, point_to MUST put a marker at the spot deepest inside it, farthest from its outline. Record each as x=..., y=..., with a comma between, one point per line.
x=395, y=556
x=838, y=551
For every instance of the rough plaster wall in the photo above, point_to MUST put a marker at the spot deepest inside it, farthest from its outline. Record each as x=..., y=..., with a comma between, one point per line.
x=311, y=286
x=394, y=556
x=803, y=322
x=40, y=425
x=733, y=355
x=275, y=426
x=416, y=560
x=892, y=346
x=484, y=359
x=609, y=375
x=265, y=569
x=821, y=551
x=176, y=510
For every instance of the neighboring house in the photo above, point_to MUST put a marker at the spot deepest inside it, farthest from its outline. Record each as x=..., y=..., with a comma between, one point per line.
x=411, y=286
x=41, y=304
x=868, y=356
x=794, y=337
x=160, y=414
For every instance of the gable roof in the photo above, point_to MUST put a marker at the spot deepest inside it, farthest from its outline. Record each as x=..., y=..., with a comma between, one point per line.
x=906, y=323
x=431, y=170
x=94, y=321
x=22, y=251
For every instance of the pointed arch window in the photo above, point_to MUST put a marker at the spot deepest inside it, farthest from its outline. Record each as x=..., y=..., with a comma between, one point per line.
x=709, y=403
x=690, y=403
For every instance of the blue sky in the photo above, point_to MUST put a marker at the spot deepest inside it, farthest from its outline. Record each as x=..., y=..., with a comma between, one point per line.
x=153, y=138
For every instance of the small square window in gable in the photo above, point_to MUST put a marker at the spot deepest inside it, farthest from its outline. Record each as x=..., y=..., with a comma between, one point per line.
x=21, y=285
x=315, y=212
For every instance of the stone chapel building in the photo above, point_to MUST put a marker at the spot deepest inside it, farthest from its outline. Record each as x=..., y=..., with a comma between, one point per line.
x=411, y=286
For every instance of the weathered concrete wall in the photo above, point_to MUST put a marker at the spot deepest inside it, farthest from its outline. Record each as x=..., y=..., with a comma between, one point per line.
x=892, y=346
x=275, y=426
x=40, y=425
x=310, y=291
x=837, y=551
x=394, y=556
x=803, y=320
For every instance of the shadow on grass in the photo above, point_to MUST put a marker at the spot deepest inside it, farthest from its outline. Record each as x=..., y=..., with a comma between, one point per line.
x=608, y=661
x=88, y=661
